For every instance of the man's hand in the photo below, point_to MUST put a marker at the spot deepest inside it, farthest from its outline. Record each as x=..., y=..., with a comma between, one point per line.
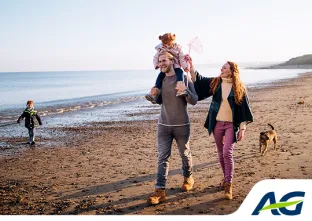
x=241, y=135
x=180, y=86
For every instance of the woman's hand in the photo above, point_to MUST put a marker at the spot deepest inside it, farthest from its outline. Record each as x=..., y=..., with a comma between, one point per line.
x=188, y=59
x=241, y=135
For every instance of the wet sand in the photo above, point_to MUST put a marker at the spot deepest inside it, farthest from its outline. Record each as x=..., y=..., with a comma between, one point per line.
x=110, y=168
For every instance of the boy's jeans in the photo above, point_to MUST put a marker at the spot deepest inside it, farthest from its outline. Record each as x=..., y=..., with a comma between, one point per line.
x=31, y=132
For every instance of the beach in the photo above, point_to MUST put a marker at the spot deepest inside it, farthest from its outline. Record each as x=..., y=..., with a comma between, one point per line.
x=110, y=167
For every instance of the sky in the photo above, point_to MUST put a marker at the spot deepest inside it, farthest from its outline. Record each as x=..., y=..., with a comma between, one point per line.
x=64, y=35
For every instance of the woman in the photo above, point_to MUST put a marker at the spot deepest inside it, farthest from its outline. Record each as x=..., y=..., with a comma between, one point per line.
x=228, y=115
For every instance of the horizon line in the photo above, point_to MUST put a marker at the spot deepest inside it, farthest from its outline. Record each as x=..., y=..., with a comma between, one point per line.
x=143, y=69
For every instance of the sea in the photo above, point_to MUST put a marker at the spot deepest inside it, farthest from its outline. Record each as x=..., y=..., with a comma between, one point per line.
x=76, y=98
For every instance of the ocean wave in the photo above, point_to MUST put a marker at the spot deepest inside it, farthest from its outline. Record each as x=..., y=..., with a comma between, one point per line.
x=62, y=108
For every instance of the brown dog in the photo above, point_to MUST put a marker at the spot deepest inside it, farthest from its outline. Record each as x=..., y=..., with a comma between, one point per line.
x=266, y=138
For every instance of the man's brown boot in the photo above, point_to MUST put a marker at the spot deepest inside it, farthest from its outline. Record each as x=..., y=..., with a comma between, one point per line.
x=158, y=196
x=187, y=184
x=228, y=191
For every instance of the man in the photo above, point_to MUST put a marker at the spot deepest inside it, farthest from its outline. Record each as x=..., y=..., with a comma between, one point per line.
x=173, y=123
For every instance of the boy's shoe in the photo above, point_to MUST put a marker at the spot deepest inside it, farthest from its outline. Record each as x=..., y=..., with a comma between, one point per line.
x=158, y=196
x=28, y=143
x=33, y=143
x=150, y=98
x=187, y=184
x=182, y=94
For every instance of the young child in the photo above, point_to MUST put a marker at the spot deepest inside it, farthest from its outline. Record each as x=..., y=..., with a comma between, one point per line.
x=29, y=114
x=168, y=45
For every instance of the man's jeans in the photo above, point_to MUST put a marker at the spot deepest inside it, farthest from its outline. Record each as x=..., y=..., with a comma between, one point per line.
x=166, y=134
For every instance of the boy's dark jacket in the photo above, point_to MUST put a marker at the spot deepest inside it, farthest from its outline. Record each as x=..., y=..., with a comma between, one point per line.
x=240, y=112
x=29, y=116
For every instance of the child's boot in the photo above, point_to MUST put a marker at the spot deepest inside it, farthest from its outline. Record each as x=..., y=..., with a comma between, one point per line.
x=152, y=96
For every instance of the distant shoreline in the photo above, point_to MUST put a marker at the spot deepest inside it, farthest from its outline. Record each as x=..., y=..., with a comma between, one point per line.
x=283, y=67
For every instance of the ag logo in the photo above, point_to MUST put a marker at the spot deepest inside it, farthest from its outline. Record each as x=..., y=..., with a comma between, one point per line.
x=277, y=208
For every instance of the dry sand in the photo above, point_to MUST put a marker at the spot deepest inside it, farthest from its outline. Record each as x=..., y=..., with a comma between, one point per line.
x=109, y=168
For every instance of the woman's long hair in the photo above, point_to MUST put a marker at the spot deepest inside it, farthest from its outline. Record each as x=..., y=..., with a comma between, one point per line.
x=238, y=86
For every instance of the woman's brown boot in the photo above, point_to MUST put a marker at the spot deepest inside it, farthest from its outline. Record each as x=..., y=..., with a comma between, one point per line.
x=228, y=191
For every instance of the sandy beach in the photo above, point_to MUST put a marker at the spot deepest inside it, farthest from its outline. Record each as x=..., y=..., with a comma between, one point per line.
x=110, y=168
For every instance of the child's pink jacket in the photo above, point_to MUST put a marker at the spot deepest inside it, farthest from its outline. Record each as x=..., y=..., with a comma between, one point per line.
x=176, y=51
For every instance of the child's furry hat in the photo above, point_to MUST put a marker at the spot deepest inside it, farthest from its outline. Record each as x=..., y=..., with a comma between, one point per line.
x=167, y=38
